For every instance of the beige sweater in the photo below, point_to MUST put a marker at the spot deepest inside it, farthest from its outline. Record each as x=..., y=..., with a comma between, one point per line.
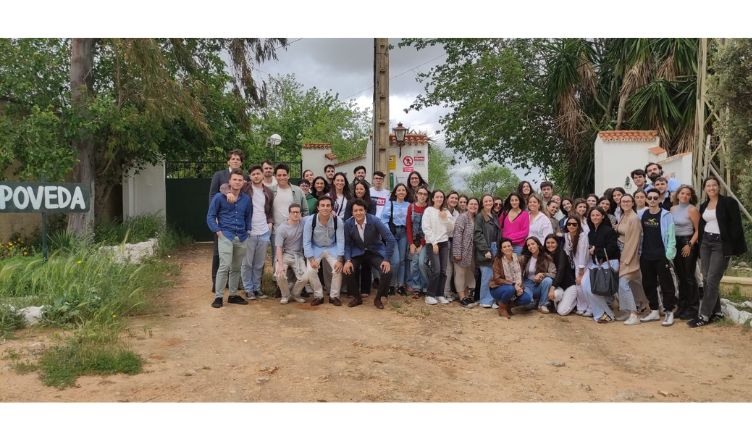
x=630, y=233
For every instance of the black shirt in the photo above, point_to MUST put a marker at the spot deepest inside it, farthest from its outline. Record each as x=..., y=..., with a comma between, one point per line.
x=652, y=242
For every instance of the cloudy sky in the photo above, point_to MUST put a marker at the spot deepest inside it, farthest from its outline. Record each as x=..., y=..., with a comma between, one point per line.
x=345, y=66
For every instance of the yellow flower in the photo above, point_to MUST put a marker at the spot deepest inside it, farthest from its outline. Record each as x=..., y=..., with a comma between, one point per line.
x=79, y=261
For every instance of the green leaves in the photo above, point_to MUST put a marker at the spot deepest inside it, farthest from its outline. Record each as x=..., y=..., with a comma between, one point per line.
x=496, y=180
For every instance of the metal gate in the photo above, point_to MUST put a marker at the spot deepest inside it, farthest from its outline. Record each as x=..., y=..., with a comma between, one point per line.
x=187, y=193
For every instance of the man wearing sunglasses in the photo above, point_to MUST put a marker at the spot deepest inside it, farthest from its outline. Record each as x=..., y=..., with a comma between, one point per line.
x=658, y=251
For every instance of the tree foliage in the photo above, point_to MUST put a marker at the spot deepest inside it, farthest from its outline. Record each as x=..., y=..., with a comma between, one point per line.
x=439, y=161
x=730, y=92
x=302, y=116
x=496, y=180
x=541, y=102
x=147, y=100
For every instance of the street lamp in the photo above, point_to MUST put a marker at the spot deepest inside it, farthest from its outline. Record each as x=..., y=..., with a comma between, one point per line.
x=272, y=141
x=399, y=135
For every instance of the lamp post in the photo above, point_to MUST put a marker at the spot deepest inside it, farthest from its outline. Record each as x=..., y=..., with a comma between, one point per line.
x=399, y=134
x=271, y=142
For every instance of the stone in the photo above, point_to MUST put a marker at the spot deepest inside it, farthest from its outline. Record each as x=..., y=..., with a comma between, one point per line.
x=32, y=314
x=556, y=363
x=262, y=379
x=133, y=253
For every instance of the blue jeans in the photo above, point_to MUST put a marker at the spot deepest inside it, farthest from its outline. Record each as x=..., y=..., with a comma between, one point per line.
x=517, y=250
x=399, y=257
x=486, y=272
x=418, y=278
x=253, y=263
x=538, y=291
x=505, y=293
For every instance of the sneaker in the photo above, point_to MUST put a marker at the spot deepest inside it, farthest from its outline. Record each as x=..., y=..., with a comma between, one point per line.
x=632, y=320
x=486, y=306
x=217, y=303
x=467, y=302
x=443, y=300
x=431, y=300
x=299, y=299
x=623, y=316
x=494, y=306
x=317, y=302
x=236, y=299
x=604, y=319
x=283, y=301
x=668, y=320
x=543, y=309
x=260, y=295
x=587, y=314
x=654, y=315
x=579, y=313
x=697, y=322
x=401, y=290
x=250, y=295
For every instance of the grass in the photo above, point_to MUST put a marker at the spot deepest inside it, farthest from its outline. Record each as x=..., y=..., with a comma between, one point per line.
x=734, y=295
x=10, y=320
x=91, y=352
x=134, y=230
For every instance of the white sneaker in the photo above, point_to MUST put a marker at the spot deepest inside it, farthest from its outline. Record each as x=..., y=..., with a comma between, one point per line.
x=588, y=314
x=654, y=315
x=579, y=313
x=623, y=316
x=250, y=295
x=283, y=301
x=543, y=309
x=299, y=299
x=262, y=296
x=443, y=300
x=431, y=300
x=668, y=320
x=632, y=320
x=494, y=306
x=485, y=306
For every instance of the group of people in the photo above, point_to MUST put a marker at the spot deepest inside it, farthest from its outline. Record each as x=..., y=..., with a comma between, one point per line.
x=529, y=250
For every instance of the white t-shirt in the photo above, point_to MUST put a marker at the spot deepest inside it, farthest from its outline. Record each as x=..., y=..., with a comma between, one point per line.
x=258, y=221
x=531, y=268
x=711, y=221
x=281, y=205
x=340, y=206
x=379, y=197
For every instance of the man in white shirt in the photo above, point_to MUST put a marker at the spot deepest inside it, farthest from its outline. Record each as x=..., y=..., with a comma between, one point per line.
x=379, y=195
x=252, y=267
x=284, y=196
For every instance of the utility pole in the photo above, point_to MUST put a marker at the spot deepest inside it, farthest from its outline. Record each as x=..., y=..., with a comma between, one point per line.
x=380, y=104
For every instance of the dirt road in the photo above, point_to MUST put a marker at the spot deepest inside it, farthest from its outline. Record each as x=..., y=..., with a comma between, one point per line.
x=268, y=352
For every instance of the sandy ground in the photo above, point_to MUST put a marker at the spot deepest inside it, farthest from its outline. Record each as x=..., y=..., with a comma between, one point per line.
x=268, y=352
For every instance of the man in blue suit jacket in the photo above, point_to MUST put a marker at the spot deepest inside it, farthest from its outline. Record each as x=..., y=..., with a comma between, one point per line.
x=365, y=235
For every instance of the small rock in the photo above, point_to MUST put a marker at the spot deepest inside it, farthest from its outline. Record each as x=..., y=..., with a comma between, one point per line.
x=556, y=363
x=663, y=393
x=586, y=387
x=32, y=315
x=262, y=379
x=189, y=373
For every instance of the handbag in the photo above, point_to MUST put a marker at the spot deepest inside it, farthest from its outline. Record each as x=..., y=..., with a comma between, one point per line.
x=392, y=226
x=604, y=281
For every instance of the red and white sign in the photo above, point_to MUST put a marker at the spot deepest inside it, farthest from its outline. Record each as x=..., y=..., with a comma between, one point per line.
x=420, y=158
x=407, y=169
x=407, y=161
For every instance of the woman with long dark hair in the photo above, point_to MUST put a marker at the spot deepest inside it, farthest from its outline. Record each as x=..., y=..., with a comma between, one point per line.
x=394, y=215
x=437, y=223
x=515, y=221
x=362, y=191
x=506, y=282
x=576, y=250
x=566, y=207
x=524, y=190
x=604, y=252
x=414, y=181
x=486, y=237
x=721, y=237
x=538, y=273
x=687, y=229
x=463, y=252
x=417, y=278
x=340, y=194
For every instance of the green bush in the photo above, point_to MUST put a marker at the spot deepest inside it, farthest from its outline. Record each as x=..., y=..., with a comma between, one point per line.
x=10, y=320
x=134, y=230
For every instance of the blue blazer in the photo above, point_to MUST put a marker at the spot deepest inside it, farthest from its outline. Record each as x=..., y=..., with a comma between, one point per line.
x=376, y=234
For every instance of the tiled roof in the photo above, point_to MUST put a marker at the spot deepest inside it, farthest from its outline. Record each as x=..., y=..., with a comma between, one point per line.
x=410, y=139
x=628, y=135
x=354, y=159
x=321, y=146
x=656, y=151
x=330, y=156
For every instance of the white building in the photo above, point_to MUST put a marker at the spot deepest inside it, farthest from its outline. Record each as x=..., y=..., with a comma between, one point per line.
x=413, y=156
x=618, y=152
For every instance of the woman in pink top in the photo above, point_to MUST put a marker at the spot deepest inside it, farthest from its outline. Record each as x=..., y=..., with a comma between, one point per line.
x=514, y=221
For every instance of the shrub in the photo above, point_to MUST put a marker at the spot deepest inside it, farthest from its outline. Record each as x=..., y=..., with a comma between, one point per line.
x=134, y=230
x=10, y=320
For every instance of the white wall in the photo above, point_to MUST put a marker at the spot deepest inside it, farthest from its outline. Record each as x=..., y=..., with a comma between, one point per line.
x=399, y=167
x=145, y=192
x=614, y=160
x=679, y=167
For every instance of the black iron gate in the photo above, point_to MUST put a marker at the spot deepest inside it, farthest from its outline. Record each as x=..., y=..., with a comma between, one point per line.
x=187, y=193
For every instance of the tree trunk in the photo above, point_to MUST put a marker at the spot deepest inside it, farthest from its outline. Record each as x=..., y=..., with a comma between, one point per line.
x=82, y=81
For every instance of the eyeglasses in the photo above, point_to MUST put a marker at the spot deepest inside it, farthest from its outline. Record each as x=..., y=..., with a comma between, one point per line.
x=572, y=224
x=652, y=197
